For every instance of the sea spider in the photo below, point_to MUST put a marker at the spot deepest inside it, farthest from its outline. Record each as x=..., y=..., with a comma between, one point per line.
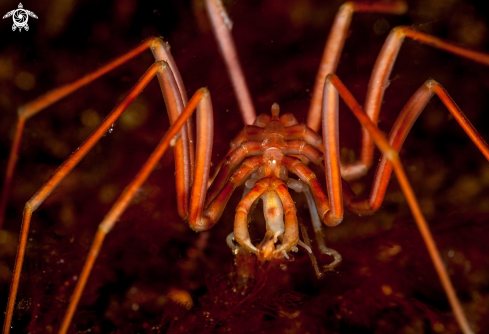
x=391, y=87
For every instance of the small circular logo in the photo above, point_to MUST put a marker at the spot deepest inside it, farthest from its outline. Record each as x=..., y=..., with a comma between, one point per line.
x=20, y=17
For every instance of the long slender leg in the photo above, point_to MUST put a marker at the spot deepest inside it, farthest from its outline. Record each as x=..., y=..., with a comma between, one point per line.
x=334, y=86
x=331, y=144
x=183, y=151
x=399, y=132
x=334, y=47
x=61, y=173
x=221, y=26
x=161, y=52
x=382, y=70
x=201, y=101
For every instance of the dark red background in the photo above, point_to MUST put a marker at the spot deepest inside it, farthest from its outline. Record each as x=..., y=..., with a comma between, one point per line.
x=151, y=250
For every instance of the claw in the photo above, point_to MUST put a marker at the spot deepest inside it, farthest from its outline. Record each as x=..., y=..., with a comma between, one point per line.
x=266, y=248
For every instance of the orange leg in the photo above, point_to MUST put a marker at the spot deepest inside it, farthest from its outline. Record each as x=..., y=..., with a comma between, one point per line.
x=171, y=94
x=331, y=144
x=334, y=47
x=221, y=26
x=399, y=132
x=160, y=51
x=332, y=87
x=380, y=76
x=201, y=101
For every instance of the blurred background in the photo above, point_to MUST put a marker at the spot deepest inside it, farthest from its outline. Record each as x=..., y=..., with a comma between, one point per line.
x=386, y=282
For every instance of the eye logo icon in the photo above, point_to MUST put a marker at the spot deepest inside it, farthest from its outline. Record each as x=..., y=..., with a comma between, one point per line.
x=20, y=17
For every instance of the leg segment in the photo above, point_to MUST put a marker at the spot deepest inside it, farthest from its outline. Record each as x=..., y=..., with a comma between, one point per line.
x=399, y=132
x=184, y=156
x=334, y=86
x=331, y=144
x=160, y=50
x=221, y=26
x=334, y=47
x=382, y=70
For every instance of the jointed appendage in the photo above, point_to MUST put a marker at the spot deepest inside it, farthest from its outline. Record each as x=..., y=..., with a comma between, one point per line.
x=265, y=154
x=172, y=88
x=332, y=87
x=161, y=51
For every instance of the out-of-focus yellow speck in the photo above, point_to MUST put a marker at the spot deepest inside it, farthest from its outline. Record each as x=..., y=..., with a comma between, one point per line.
x=387, y=290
